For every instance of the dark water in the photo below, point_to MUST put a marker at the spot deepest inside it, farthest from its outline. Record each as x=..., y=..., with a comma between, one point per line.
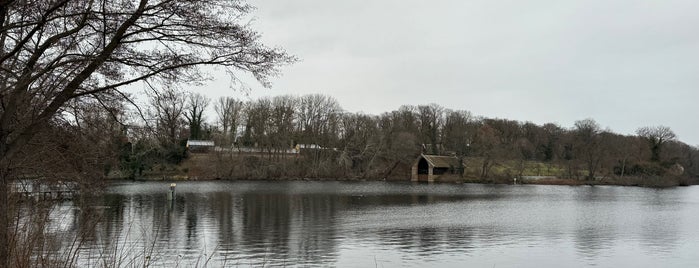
x=376, y=224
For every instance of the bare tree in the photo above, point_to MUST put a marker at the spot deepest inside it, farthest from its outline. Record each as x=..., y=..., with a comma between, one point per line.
x=167, y=108
x=258, y=122
x=457, y=131
x=406, y=118
x=282, y=121
x=101, y=124
x=317, y=118
x=656, y=137
x=551, y=141
x=399, y=139
x=399, y=146
x=360, y=141
x=623, y=151
x=431, y=120
x=54, y=51
x=488, y=144
x=229, y=111
x=693, y=158
x=196, y=104
x=589, y=145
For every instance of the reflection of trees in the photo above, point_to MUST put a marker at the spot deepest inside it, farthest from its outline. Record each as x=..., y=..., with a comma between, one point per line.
x=277, y=227
x=256, y=228
x=313, y=226
x=593, y=231
x=86, y=217
x=426, y=241
x=660, y=234
x=660, y=231
x=191, y=226
x=293, y=228
x=224, y=211
x=415, y=199
x=593, y=241
x=266, y=223
x=114, y=217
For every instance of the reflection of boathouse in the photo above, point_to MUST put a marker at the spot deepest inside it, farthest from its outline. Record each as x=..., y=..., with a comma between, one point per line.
x=431, y=168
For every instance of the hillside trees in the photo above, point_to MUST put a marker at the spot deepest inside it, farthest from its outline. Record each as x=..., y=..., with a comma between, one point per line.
x=656, y=137
x=52, y=52
x=367, y=146
x=356, y=145
x=336, y=143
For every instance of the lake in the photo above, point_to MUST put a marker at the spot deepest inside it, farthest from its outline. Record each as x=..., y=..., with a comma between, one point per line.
x=381, y=224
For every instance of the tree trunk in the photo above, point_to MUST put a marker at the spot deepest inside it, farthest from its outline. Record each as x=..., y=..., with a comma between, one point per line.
x=485, y=169
x=5, y=217
x=4, y=220
x=591, y=170
x=390, y=170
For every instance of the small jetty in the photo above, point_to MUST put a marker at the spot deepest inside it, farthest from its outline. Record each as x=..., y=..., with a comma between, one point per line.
x=45, y=190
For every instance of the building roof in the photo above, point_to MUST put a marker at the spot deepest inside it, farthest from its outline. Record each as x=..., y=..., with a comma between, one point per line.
x=199, y=143
x=440, y=161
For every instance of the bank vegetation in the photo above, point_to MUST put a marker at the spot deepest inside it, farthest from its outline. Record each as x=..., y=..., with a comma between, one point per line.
x=312, y=137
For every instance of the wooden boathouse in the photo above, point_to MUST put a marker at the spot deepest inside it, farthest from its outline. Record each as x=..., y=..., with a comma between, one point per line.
x=431, y=168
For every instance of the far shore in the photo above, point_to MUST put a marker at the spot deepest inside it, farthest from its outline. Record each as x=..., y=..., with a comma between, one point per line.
x=628, y=181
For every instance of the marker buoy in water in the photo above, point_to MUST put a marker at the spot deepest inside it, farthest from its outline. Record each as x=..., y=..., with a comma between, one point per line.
x=171, y=193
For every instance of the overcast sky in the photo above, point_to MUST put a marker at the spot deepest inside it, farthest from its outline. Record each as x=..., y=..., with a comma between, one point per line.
x=626, y=64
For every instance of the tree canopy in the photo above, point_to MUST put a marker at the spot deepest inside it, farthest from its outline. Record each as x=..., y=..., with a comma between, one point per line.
x=56, y=53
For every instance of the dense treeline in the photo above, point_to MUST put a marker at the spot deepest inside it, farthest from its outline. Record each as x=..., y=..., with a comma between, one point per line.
x=256, y=138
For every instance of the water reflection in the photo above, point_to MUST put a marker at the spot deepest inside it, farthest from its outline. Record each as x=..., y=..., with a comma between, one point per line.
x=345, y=224
x=661, y=230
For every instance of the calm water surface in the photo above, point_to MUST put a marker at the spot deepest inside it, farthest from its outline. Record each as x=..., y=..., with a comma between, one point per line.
x=378, y=224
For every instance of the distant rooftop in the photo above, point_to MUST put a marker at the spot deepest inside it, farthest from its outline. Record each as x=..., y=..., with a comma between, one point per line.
x=200, y=143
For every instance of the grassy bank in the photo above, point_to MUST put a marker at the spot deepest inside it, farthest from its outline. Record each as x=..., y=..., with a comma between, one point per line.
x=216, y=166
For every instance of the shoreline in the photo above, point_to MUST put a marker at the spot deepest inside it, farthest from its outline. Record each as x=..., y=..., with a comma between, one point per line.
x=627, y=182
